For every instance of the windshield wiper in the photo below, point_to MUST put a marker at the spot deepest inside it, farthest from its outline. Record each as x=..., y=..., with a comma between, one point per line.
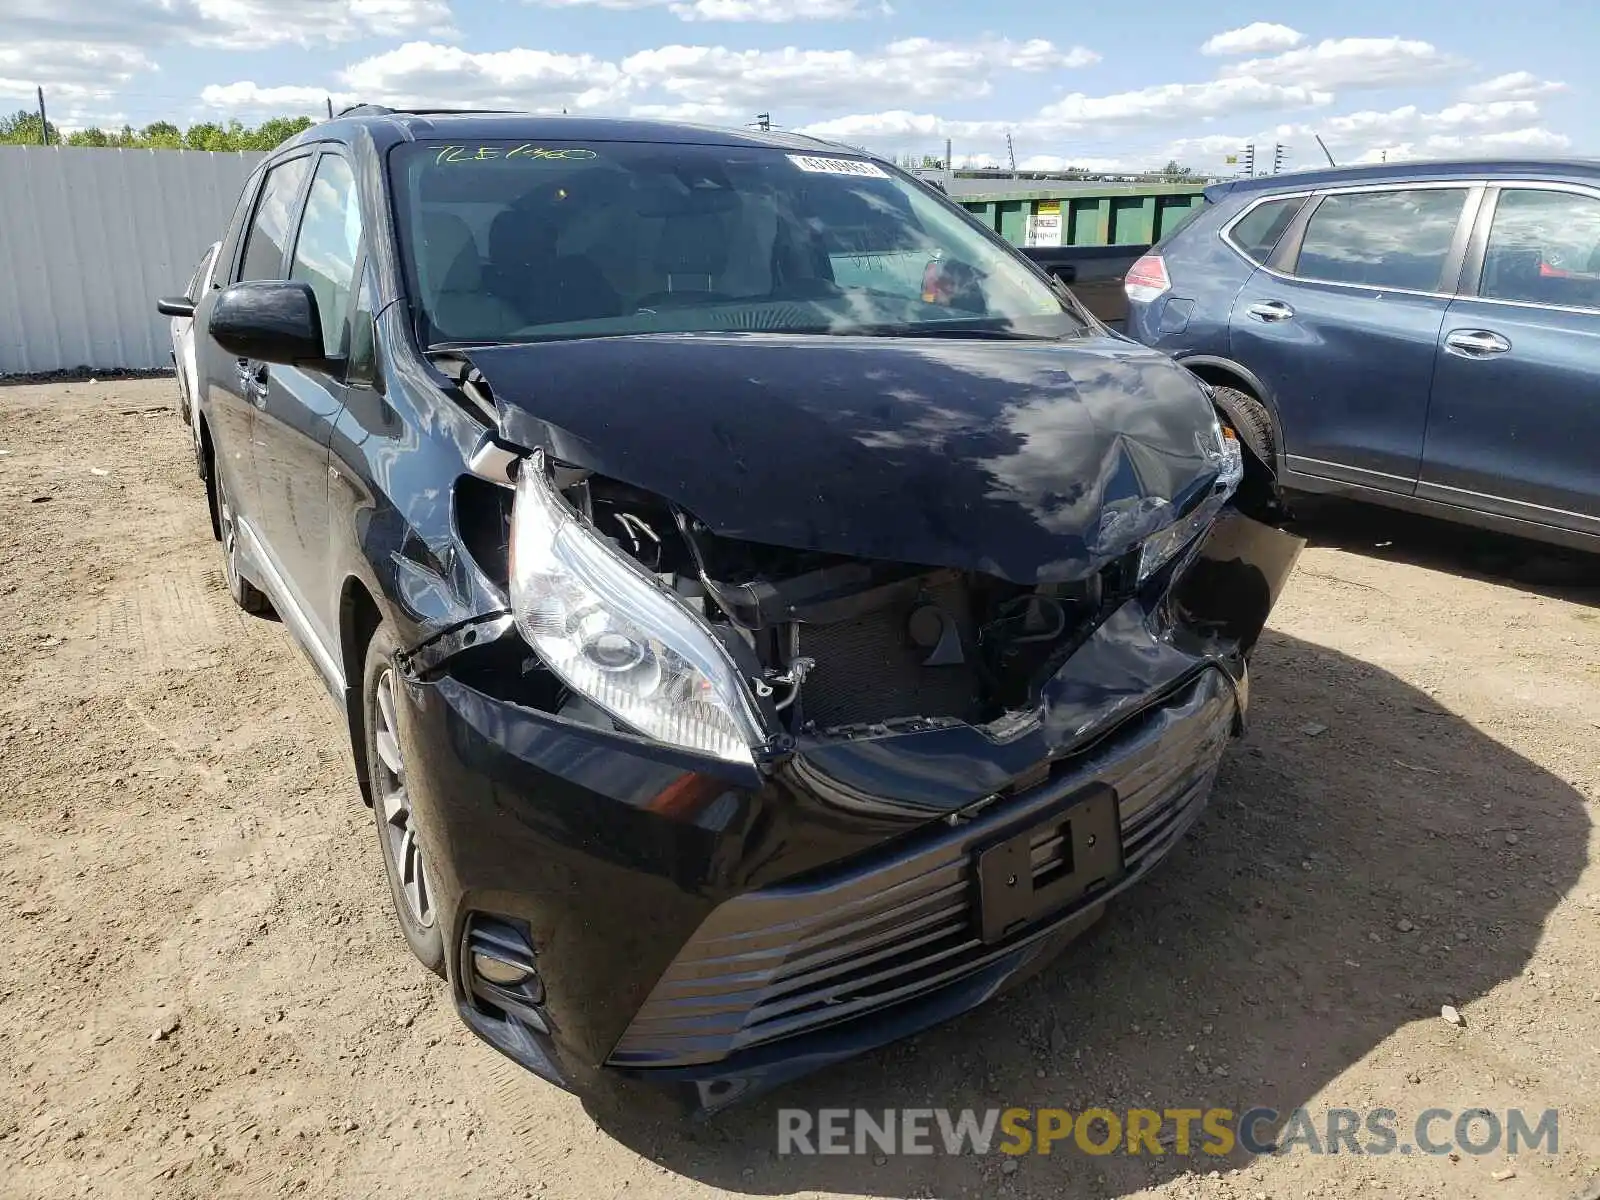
x=945, y=331
x=456, y=347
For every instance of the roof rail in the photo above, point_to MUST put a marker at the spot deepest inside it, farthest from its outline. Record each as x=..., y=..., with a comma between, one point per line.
x=383, y=110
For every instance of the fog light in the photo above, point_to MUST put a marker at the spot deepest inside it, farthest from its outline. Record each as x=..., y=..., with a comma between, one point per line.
x=498, y=971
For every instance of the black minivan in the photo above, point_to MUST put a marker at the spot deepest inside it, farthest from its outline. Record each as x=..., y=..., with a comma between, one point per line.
x=770, y=614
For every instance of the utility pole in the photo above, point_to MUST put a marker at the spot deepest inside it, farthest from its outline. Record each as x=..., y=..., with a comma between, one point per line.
x=1011, y=151
x=1249, y=163
x=329, y=99
x=44, y=125
x=1279, y=153
x=949, y=163
x=764, y=122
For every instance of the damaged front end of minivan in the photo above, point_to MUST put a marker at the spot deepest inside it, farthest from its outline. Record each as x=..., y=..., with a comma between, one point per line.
x=832, y=692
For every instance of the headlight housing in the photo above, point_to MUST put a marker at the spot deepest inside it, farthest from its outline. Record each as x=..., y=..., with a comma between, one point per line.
x=1221, y=447
x=612, y=633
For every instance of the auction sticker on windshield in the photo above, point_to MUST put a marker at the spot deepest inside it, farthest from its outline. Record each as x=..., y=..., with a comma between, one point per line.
x=838, y=166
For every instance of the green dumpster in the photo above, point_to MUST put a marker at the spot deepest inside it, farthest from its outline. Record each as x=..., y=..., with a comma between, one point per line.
x=1093, y=215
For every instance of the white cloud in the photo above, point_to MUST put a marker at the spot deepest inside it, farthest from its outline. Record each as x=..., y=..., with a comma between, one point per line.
x=424, y=73
x=140, y=26
x=764, y=11
x=1515, y=85
x=248, y=97
x=912, y=69
x=1532, y=140
x=1407, y=132
x=710, y=84
x=258, y=24
x=69, y=71
x=1169, y=102
x=1057, y=162
x=690, y=111
x=1409, y=120
x=1075, y=116
x=1253, y=39
x=1351, y=63
x=899, y=127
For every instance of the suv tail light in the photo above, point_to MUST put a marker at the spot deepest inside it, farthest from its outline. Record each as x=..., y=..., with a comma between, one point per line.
x=1147, y=279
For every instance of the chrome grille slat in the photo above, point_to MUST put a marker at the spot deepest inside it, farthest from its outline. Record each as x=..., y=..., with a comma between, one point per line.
x=951, y=939
x=765, y=1026
x=940, y=908
x=790, y=960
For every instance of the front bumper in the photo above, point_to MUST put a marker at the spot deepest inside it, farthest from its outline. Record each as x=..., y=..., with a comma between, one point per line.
x=714, y=930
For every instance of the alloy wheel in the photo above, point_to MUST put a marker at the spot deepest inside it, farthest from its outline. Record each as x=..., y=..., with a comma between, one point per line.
x=399, y=828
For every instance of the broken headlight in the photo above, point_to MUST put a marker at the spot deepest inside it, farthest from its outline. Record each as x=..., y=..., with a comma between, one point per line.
x=614, y=635
x=1161, y=547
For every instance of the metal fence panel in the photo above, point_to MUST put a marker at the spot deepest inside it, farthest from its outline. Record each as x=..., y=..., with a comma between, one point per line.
x=90, y=237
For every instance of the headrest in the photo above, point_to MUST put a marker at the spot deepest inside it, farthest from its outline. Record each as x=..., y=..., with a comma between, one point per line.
x=518, y=238
x=449, y=254
x=693, y=245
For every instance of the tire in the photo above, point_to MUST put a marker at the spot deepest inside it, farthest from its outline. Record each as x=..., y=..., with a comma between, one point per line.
x=1250, y=420
x=399, y=840
x=245, y=594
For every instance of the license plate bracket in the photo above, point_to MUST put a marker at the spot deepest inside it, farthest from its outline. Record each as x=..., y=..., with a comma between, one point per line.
x=1089, y=859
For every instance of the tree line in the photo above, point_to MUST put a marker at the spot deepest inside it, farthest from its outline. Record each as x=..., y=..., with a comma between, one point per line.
x=22, y=129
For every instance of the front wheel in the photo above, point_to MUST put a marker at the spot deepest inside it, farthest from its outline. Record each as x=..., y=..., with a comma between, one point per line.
x=405, y=864
x=1250, y=420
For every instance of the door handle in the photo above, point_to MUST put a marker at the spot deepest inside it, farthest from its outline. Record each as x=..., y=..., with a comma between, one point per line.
x=253, y=380
x=1475, y=343
x=1270, y=311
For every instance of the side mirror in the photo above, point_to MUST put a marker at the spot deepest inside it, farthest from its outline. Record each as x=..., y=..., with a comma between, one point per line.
x=175, y=306
x=270, y=320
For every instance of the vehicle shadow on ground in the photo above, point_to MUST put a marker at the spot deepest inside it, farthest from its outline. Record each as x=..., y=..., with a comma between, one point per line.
x=1391, y=535
x=1342, y=884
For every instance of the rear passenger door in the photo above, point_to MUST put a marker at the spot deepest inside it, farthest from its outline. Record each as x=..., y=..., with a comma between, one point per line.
x=1342, y=327
x=1514, y=427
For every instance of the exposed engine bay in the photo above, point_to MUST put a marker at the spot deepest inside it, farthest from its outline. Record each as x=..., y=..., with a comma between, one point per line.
x=833, y=642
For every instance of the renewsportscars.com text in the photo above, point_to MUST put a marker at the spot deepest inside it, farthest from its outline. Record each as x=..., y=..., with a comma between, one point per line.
x=1216, y=1132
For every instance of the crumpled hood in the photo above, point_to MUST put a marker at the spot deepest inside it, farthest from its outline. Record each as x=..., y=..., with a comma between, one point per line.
x=1033, y=461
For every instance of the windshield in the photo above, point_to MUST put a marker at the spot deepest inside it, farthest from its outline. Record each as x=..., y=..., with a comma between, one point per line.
x=508, y=241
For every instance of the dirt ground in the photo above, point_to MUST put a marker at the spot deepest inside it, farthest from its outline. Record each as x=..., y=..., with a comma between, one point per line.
x=203, y=992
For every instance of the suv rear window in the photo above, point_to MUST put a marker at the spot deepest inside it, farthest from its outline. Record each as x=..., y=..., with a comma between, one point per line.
x=1387, y=239
x=1257, y=234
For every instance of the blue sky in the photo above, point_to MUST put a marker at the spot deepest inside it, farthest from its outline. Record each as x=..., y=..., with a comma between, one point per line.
x=1125, y=86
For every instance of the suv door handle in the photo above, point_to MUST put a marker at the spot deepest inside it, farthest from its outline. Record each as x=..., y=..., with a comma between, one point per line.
x=253, y=380
x=1475, y=343
x=1270, y=310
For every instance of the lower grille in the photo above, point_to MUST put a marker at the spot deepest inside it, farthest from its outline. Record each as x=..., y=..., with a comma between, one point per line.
x=785, y=961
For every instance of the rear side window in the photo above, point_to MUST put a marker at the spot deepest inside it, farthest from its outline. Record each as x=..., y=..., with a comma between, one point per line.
x=237, y=225
x=1544, y=248
x=269, y=231
x=1259, y=231
x=1389, y=239
x=325, y=251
